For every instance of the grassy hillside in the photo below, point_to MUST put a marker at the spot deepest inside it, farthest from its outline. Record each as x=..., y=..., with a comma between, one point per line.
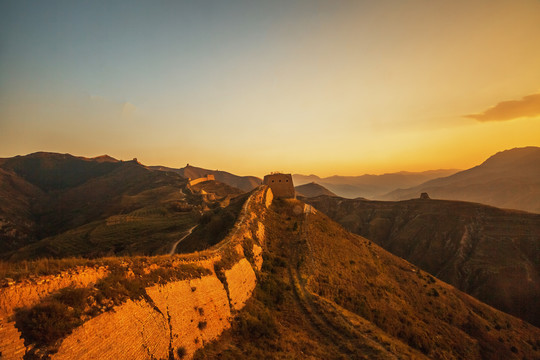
x=325, y=293
x=490, y=253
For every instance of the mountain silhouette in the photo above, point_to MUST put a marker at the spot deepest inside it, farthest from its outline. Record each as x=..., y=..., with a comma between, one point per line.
x=509, y=179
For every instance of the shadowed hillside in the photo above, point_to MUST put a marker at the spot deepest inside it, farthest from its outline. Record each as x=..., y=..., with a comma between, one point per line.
x=490, y=253
x=52, y=171
x=58, y=205
x=325, y=293
x=509, y=179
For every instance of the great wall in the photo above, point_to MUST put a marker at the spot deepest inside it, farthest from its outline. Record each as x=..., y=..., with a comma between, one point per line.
x=176, y=317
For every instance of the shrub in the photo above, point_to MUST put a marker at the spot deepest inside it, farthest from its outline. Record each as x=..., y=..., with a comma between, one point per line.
x=202, y=325
x=256, y=325
x=45, y=323
x=77, y=298
x=181, y=352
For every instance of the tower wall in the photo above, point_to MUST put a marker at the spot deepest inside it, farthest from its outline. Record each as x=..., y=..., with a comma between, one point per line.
x=281, y=184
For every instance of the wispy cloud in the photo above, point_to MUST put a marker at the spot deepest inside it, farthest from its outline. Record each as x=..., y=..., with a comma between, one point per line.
x=528, y=106
x=104, y=106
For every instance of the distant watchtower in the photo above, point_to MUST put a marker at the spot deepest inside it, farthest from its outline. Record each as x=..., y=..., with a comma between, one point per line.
x=281, y=185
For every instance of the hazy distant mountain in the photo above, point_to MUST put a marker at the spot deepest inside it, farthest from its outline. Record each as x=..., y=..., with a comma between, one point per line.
x=490, y=253
x=371, y=186
x=245, y=183
x=509, y=179
x=312, y=190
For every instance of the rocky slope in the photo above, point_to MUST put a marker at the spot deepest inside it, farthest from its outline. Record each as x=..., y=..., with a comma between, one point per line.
x=489, y=253
x=509, y=179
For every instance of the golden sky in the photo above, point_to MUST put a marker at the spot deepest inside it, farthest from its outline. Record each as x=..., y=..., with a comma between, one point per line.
x=346, y=87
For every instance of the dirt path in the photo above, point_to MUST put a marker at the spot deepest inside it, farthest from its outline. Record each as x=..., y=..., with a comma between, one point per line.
x=182, y=238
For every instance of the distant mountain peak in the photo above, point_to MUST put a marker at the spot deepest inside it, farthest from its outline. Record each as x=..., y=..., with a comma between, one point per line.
x=313, y=189
x=513, y=155
x=104, y=158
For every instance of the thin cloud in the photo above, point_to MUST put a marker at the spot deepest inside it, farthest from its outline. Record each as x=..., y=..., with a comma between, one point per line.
x=529, y=106
x=127, y=110
x=104, y=106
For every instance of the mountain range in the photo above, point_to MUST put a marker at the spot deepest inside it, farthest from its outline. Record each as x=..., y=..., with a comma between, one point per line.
x=509, y=179
x=371, y=186
x=59, y=205
x=335, y=278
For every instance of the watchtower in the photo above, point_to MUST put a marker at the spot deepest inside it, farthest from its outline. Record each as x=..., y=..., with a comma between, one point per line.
x=281, y=184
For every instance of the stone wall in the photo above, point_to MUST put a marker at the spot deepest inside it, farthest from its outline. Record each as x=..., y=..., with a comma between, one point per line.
x=240, y=282
x=269, y=197
x=30, y=292
x=182, y=314
x=201, y=179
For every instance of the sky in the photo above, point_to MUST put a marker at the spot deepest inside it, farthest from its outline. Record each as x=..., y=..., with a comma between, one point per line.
x=313, y=87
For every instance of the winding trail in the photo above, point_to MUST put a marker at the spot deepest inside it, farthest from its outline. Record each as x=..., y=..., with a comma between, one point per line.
x=182, y=238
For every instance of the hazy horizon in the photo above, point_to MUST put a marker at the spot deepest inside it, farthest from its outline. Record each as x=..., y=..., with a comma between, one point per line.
x=306, y=87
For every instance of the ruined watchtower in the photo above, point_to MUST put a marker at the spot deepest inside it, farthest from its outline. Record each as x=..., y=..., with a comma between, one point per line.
x=281, y=185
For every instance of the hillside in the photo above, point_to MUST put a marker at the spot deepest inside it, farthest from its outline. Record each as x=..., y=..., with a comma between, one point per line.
x=492, y=254
x=286, y=282
x=158, y=307
x=325, y=293
x=245, y=183
x=371, y=186
x=509, y=179
x=312, y=190
x=59, y=205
